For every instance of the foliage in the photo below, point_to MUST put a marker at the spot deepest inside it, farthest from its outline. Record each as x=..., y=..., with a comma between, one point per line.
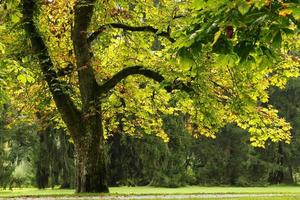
x=287, y=102
x=228, y=52
x=21, y=155
x=148, y=160
x=228, y=75
x=235, y=50
x=131, y=63
x=54, y=160
x=6, y=168
x=18, y=145
x=227, y=160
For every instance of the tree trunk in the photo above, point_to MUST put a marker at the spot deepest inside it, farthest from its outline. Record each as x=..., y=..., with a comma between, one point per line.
x=67, y=163
x=85, y=125
x=284, y=174
x=42, y=162
x=89, y=144
x=91, y=168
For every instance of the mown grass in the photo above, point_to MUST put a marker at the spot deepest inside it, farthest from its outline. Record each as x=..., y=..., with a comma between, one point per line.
x=22, y=192
x=241, y=198
x=208, y=190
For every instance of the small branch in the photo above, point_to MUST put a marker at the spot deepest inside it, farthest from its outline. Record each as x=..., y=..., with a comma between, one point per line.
x=225, y=90
x=179, y=16
x=150, y=29
x=139, y=70
x=66, y=71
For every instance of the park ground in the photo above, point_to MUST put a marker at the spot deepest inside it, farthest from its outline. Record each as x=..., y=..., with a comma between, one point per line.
x=191, y=192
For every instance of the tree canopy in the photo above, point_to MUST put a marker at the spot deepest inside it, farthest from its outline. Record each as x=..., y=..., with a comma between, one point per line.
x=211, y=61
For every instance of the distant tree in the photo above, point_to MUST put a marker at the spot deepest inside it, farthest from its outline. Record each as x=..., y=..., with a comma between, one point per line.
x=287, y=101
x=222, y=160
x=6, y=167
x=17, y=147
x=55, y=157
x=148, y=160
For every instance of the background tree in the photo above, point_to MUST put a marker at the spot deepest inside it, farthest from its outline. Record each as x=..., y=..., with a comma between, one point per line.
x=18, y=144
x=55, y=158
x=287, y=102
x=147, y=160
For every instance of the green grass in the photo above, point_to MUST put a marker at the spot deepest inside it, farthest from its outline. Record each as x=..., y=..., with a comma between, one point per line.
x=18, y=192
x=207, y=190
x=243, y=198
x=154, y=190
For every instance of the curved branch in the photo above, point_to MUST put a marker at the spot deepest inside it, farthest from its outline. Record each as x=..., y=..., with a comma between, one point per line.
x=150, y=29
x=140, y=70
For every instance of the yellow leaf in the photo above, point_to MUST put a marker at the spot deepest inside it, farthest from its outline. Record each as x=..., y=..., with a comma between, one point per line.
x=217, y=36
x=285, y=12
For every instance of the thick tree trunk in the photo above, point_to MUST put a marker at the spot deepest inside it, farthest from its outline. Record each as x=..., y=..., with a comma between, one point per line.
x=85, y=125
x=89, y=144
x=91, y=168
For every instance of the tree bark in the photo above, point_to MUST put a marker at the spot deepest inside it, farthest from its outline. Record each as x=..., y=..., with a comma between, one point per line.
x=91, y=154
x=91, y=157
x=42, y=163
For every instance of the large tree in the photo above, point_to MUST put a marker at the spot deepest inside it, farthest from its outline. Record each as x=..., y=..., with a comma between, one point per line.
x=210, y=61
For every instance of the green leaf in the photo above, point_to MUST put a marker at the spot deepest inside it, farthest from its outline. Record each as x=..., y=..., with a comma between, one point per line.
x=266, y=51
x=288, y=31
x=296, y=13
x=2, y=49
x=22, y=78
x=243, y=49
x=185, y=59
x=30, y=79
x=260, y=3
x=16, y=17
x=222, y=46
x=244, y=7
x=276, y=42
x=199, y=4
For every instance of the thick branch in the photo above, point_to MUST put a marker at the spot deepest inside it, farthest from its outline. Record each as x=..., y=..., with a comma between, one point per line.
x=150, y=29
x=139, y=70
x=65, y=105
x=87, y=82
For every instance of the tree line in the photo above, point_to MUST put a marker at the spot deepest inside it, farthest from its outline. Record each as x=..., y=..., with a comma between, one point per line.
x=45, y=157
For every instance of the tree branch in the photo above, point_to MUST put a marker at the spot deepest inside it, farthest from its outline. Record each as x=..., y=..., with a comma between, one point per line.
x=150, y=29
x=66, y=71
x=83, y=11
x=70, y=114
x=140, y=70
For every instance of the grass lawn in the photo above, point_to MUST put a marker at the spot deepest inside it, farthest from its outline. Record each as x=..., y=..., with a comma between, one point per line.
x=207, y=190
x=243, y=198
x=153, y=190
